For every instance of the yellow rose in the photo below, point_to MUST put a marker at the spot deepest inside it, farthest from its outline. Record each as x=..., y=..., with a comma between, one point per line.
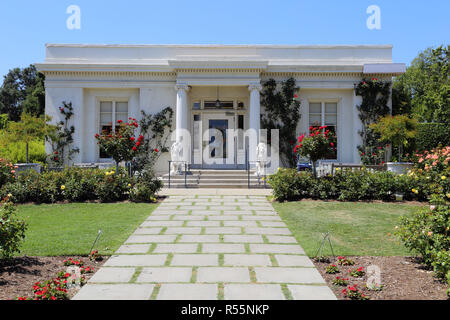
x=443, y=177
x=63, y=187
x=415, y=191
x=9, y=195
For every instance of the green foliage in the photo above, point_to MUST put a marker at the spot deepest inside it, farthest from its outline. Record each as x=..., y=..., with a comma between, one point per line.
x=375, y=96
x=347, y=185
x=60, y=137
x=424, y=88
x=3, y=121
x=396, y=129
x=432, y=135
x=16, y=151
x=22, y=91
x=77, y=185
x=282, y=112
x=12, y=230
x=427, y=233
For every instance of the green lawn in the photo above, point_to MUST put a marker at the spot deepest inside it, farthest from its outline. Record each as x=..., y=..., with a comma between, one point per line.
x=355, y=228
x=70, y=229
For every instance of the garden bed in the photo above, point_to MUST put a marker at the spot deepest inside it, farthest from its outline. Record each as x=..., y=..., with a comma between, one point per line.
x=18, y=277
x=403, y=278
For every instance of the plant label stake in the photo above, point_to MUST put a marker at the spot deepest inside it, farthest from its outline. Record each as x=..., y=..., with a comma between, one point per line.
x=326, y=237
x=95, y=241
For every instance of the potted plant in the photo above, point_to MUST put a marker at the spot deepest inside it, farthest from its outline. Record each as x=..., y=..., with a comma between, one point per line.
x=398, y=130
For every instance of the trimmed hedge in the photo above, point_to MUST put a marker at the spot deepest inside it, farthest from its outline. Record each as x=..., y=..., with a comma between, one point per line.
x=431, y=135
x=288, y=185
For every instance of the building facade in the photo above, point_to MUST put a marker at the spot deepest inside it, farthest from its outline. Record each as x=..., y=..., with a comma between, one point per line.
x=209, y=87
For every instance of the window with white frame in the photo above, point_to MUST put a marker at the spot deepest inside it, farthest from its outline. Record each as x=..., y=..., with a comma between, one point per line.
x=325, y=114
x=110, y=113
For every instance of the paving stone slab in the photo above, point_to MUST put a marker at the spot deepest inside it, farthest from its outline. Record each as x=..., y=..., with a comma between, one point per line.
x=133, y=248
x=113, y=275
x=273, y=224
x=221, y=207
x=223, y=274
x=276, y=248
x=238, y=212
x=188, y=291
x=305, y=292
x=262, y=218
x=198, y=259
x=285, y=260
x=223, y=230
x=247, y=260
x=253, y=292
x=176, y=248
x=162, y=224
x=224, y=218
x=151, y=239
x=256, y=208
x=158, y=218
x=193, y=207
x=183, y=230
x=167, y=274
x=143, y=231
x=188, y=217
x=243, y=238
x=148, y=260
x=267, y=231
x=206, y=212
x=199, y=238
x=125, y=291
x=222, y=248
x=240, y=224
x=288, y=275
x=203, y=224
x=157, y=212
x=281, y=239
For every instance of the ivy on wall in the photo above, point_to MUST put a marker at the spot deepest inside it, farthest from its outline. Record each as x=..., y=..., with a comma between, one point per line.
x=60, y=137
x=375, y=95
x=282, y=112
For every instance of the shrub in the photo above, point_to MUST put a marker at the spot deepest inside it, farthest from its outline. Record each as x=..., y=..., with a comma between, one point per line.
x=145, y=188
x=427, y=233
x=432, y=135
x=12, y=230
x=16, y=151
x=7, y=172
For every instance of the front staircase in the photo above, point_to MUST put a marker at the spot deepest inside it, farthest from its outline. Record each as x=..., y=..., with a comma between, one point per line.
x=210, y=178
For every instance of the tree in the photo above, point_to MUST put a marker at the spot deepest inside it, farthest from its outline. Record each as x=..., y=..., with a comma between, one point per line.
x=423, y=91
x=396, y=129
x=26, y=130
x=22, y=91
x=316, y=146
x=282, y=112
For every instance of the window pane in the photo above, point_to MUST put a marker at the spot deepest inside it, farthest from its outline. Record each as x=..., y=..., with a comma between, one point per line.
x=106, y=106
x=196, y=105
x=330, y=119
x=315, y=119
x=105, y=118
x=122, y=107
x=331, y=107
x=315, y=108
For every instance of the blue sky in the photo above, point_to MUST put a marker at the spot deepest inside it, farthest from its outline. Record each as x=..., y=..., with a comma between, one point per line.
x=410, y=26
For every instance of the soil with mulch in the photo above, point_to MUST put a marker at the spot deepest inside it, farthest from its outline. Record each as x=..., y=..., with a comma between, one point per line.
x=402, y=278
x=18, y=276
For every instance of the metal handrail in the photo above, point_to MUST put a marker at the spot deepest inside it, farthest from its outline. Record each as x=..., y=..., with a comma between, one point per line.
x=265, y=171
x=186, y=164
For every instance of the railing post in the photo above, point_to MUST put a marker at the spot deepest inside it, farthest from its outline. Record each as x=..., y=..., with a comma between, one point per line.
x=169, y=172
x=265, y=174
x=185, y=174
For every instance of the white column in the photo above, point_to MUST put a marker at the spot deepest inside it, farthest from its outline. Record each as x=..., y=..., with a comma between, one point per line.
x=357, y=126
x=182, y=119
x=254, y=119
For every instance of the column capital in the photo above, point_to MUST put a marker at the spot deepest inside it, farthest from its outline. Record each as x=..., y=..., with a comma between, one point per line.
x=254, y=86
x=184, y=87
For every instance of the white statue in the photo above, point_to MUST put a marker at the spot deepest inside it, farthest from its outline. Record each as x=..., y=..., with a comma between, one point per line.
x=176, y=166
x=261, y=157
x=217, y=146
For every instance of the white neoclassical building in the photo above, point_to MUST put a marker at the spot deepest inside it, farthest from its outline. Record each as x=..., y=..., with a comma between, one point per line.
x=106, y=83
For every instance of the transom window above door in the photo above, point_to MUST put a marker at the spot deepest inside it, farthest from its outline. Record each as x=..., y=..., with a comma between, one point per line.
x=325, y=114
x=110, y=113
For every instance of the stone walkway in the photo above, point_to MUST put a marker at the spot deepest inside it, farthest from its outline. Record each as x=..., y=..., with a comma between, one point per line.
x=209, y=247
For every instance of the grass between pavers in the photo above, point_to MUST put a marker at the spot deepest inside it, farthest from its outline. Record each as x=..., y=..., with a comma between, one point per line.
x=70, y=229
x=356, y=228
